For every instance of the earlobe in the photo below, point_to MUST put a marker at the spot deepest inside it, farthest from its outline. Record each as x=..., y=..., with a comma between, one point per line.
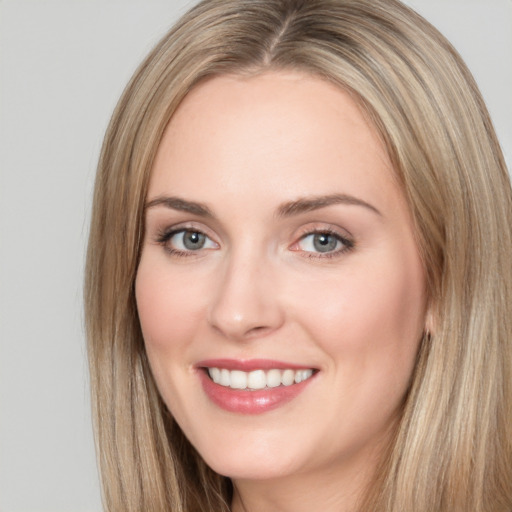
x=430, y=321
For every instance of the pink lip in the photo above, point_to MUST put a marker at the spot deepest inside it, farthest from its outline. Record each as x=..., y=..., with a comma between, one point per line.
x=245, y=401
x=248, y=365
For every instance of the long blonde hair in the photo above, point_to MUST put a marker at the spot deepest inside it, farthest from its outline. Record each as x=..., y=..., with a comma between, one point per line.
x=453, y=447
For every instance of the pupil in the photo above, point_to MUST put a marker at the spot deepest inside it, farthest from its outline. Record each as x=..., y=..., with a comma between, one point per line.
x=324, y=242
x=193, y=240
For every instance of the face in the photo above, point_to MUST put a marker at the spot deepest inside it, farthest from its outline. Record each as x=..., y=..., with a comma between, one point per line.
x=280, y=290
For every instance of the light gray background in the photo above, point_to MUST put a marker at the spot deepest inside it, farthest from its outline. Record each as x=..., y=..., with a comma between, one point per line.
x=63, y=65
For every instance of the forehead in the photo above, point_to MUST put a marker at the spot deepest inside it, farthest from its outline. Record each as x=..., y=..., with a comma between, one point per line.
x=275, y=134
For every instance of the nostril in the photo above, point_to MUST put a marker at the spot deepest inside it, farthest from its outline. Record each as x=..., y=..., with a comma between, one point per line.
x=258, y=330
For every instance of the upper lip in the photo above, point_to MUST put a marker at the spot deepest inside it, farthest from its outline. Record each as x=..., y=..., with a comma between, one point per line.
x=248, y=365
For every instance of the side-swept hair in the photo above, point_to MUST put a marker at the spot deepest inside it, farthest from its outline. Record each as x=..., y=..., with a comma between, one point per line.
x=452, y=450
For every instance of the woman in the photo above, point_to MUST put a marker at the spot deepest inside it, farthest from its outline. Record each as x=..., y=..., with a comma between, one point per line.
x=298, y=277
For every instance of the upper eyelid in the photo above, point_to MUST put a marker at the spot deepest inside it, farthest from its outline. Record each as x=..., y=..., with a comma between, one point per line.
x=324, y=227
x=325, y=231
x=158, y=224
x=347, y=241
x=185, y=226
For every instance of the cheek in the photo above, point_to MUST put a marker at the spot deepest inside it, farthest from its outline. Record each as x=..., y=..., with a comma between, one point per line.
x=167, y=304
x=370, y=318
x=169, y=314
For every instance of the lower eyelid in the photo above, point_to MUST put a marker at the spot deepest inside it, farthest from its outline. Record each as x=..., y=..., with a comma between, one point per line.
x=342, y=251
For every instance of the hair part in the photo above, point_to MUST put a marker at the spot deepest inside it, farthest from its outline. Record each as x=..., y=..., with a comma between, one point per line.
x=453, y=446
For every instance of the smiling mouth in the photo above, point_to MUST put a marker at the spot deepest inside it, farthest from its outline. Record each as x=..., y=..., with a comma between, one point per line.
x=258, y=379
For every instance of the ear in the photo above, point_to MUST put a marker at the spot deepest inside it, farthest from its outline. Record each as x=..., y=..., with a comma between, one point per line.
x=430, y=320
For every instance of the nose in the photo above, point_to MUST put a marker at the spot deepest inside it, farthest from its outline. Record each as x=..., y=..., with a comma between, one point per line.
x=246, y=303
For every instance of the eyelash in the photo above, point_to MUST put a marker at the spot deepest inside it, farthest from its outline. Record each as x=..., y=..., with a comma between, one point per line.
x=165, y=236
x=348, y=245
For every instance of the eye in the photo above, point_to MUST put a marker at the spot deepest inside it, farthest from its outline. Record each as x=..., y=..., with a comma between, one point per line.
x=186, y=241
x=324, y=242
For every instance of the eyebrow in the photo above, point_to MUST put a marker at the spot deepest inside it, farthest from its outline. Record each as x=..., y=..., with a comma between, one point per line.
x=308, y=204
x=288, y=209
x=181, y=205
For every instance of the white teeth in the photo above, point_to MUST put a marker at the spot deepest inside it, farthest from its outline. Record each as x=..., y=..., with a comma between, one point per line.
x=225, y=379
x=238, y=379
x=273, y=378
x=258, y=379
x=288, y=378
x=302, y=375
x=215, y=375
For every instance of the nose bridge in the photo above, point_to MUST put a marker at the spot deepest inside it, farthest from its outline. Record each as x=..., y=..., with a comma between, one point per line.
x=245, y=304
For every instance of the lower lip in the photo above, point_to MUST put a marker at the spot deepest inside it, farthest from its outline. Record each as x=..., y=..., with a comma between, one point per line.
x=250, y=402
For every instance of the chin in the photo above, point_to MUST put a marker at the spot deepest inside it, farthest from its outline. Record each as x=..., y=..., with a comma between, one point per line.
x=244, y=470
x=254, y=460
